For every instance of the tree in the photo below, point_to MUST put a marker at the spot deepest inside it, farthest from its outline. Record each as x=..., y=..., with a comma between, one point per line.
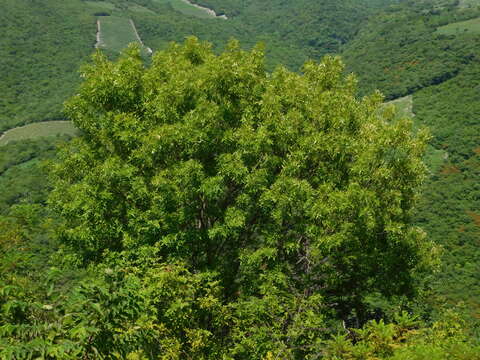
x=293, y=193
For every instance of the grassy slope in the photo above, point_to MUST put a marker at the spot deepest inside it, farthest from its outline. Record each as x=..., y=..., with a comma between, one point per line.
x=469, y=26
x=434, y=157
x=403, y=106
x=116, y=32
x=36, y=130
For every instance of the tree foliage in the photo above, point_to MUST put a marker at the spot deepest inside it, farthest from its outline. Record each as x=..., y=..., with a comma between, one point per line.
x=290, y=193
x=405, y=339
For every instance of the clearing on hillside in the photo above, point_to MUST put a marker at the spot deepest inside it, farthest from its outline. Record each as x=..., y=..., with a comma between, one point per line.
x=471, y=26
x=434, y=158
x=116, y=33
x=404, y=106
x=36, y=130
x=187, y=8
x=468, y=3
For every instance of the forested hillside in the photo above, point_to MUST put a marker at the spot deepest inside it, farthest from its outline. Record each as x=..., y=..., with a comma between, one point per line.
x=428, y=50
x=403, y=49
x=42, y=46
x=45, y=42
x=292, y=31
x=316, y=27
x=228, y=200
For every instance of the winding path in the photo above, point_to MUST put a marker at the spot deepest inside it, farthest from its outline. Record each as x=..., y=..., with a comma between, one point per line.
x=98, y=43
x=207, y=10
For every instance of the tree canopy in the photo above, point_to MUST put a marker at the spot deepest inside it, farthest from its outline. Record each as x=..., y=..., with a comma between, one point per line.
x=267, y=204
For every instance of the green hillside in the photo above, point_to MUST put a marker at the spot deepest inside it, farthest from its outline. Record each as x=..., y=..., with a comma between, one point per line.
x=469, y=26
x=451, y=201
x=41, y=48
x=218, y=204
x=45, y=42
x=317, y=27
x=401, y=50
x=416, y=49
x=291, y=31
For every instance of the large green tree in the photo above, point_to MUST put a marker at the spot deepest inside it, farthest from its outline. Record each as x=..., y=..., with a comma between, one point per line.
x=295, y=195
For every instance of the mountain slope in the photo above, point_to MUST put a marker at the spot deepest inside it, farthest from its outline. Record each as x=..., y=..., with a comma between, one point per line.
x=406, y=50
x=318, y=27
x=42, y=46
x=400, y=51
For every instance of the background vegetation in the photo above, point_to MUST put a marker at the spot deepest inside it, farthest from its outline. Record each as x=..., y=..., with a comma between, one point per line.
x=424, y=52
x=41, y=49
x=406, y=50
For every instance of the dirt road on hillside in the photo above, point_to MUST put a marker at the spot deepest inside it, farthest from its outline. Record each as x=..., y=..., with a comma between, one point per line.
x=150, y=51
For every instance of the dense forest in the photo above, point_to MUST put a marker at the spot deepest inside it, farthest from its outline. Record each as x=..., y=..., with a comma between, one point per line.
x=246, y=199
x=441, y=73
x=41, y=49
